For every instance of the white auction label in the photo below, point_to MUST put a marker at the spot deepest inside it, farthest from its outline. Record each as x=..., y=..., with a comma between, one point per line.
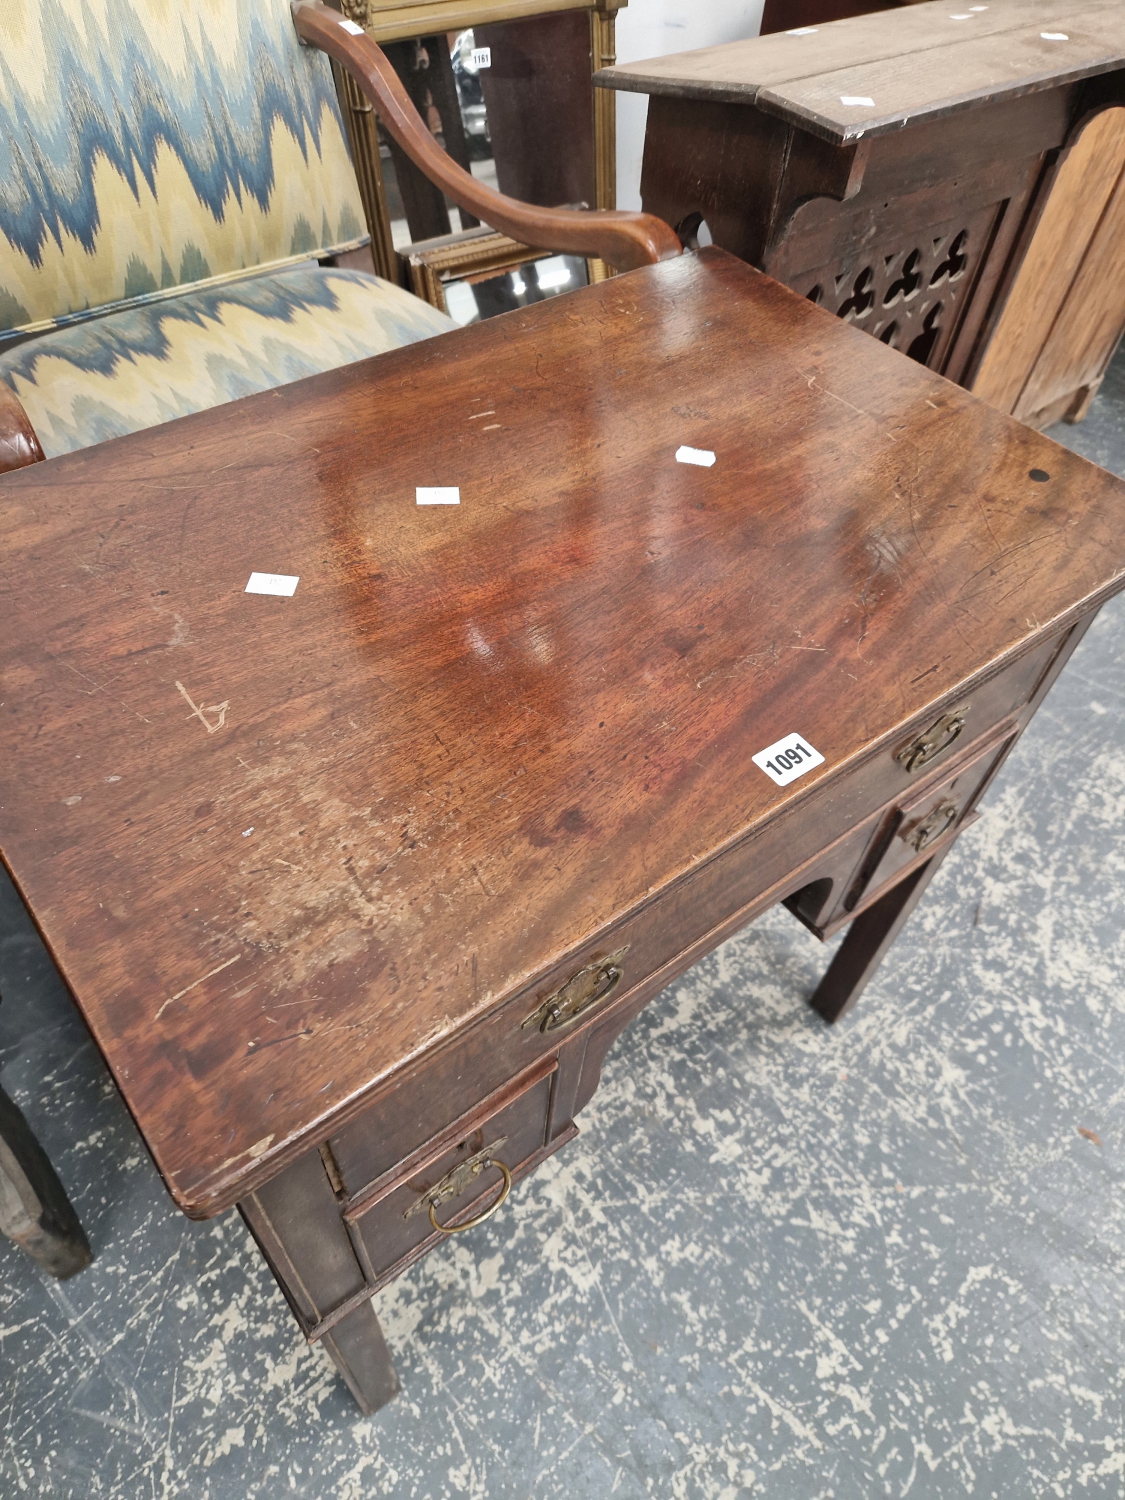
x=272, y=583
x=437, y=495
x=857, y=101
x=351, y=28
x=786, y=759
x=482, y=57
x=701, y=456
x=802, y=31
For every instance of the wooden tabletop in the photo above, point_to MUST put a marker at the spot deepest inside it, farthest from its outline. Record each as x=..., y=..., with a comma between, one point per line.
x=920, y=62
x=278, y=846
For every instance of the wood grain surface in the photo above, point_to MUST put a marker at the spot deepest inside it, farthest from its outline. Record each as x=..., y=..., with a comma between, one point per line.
x=1066, y=308
x=921, y=62
x=1088, y=326
x=281, y=846
x=1082, y=190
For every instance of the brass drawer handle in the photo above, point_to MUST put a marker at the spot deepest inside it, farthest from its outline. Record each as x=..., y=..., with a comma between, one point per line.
x=581, y=990
x=485, y=1213
x=937, y=822
x=928, y=746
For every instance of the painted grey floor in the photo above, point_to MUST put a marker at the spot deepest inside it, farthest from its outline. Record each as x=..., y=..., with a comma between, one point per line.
x=797, y=1263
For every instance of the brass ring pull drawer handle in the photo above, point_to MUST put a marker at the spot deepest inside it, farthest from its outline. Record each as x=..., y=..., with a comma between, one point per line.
x=586, y=988
x=928, y=746
x=485, y=1213
x=939, y=821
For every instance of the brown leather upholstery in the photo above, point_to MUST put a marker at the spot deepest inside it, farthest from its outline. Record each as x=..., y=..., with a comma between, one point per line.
x=18, y=444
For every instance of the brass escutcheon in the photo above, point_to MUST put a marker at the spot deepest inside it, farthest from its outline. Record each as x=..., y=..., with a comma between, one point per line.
x=581, y=990
x=454, y=1183
x=485, y=1213
x=940, y=820
x=928, y=746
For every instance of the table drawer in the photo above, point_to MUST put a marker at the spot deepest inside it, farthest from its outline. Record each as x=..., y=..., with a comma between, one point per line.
x=824, y=847
x=455, y=1174
x=941, y=735
x=544, y=1017
x=919, y=822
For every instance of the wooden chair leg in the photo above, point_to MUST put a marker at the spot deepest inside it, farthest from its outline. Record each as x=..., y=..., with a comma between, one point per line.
x=360, y=1352
x=34, y=1210
x=867, y=940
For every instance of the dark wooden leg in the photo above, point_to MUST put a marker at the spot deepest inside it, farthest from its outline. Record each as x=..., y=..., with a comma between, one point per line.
x=296, y=1221
x=867, y=940
x=34, y=1210
x=360, y=1352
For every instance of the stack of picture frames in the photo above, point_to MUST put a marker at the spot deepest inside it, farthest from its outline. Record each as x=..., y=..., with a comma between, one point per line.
x=505, y=87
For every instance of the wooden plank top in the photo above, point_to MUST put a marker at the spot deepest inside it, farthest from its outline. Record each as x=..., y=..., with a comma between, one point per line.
x=278, y=846
x=920, y=62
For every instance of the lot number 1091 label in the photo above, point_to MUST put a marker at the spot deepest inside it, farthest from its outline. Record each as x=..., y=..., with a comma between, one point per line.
x=787, y=759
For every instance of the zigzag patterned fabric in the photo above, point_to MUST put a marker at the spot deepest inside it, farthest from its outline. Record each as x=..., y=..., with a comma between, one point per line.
x=129, y=370
x=148, y=145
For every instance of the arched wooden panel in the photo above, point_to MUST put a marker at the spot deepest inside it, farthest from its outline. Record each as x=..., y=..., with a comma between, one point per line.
x=1065, y=313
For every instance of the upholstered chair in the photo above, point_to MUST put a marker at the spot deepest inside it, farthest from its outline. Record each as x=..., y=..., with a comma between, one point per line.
x=174, y=185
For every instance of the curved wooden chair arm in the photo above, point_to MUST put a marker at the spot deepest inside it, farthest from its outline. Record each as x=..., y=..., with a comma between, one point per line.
x=622, y=240
x=18, y=444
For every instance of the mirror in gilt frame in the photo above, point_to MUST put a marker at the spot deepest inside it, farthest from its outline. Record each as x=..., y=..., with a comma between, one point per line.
x=506, y=89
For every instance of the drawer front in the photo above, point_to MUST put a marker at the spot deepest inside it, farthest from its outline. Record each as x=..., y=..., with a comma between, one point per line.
x=458, y=1179
x=919, y=822
x=833, y=829
x=509, y=1040
x=942, y=735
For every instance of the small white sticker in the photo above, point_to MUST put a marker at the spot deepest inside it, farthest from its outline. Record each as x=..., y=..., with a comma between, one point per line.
x=857, y=101
x=437, y=495
x=482, y=57
x=701, y=456
x=961, y=18
x=351, y=28
x=1054, y=36
x=801, y=31
x=272, y=583
x=786, y=759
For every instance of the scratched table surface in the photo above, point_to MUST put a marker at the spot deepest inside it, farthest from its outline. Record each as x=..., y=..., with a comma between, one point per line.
x=873, y=73
x=280, y=845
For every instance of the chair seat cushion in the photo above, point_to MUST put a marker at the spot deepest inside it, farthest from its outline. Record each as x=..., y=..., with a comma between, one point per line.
x=148, y=364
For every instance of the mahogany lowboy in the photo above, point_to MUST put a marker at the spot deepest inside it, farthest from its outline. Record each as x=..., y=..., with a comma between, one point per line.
x=356, y=888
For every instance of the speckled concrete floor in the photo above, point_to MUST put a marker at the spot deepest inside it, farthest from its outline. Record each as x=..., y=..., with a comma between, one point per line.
x=792, y=1263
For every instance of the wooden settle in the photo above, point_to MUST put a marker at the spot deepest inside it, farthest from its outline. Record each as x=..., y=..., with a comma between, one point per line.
x=356, y=887
x=943, y=178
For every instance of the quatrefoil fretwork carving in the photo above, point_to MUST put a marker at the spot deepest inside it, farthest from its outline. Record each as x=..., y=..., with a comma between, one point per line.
x=923, y=346
x=908, y=283
x=898, y=281
x=862, y=299
x=954, y=263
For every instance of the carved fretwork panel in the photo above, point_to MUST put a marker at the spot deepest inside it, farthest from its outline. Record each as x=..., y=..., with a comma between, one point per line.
x=909, y=288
